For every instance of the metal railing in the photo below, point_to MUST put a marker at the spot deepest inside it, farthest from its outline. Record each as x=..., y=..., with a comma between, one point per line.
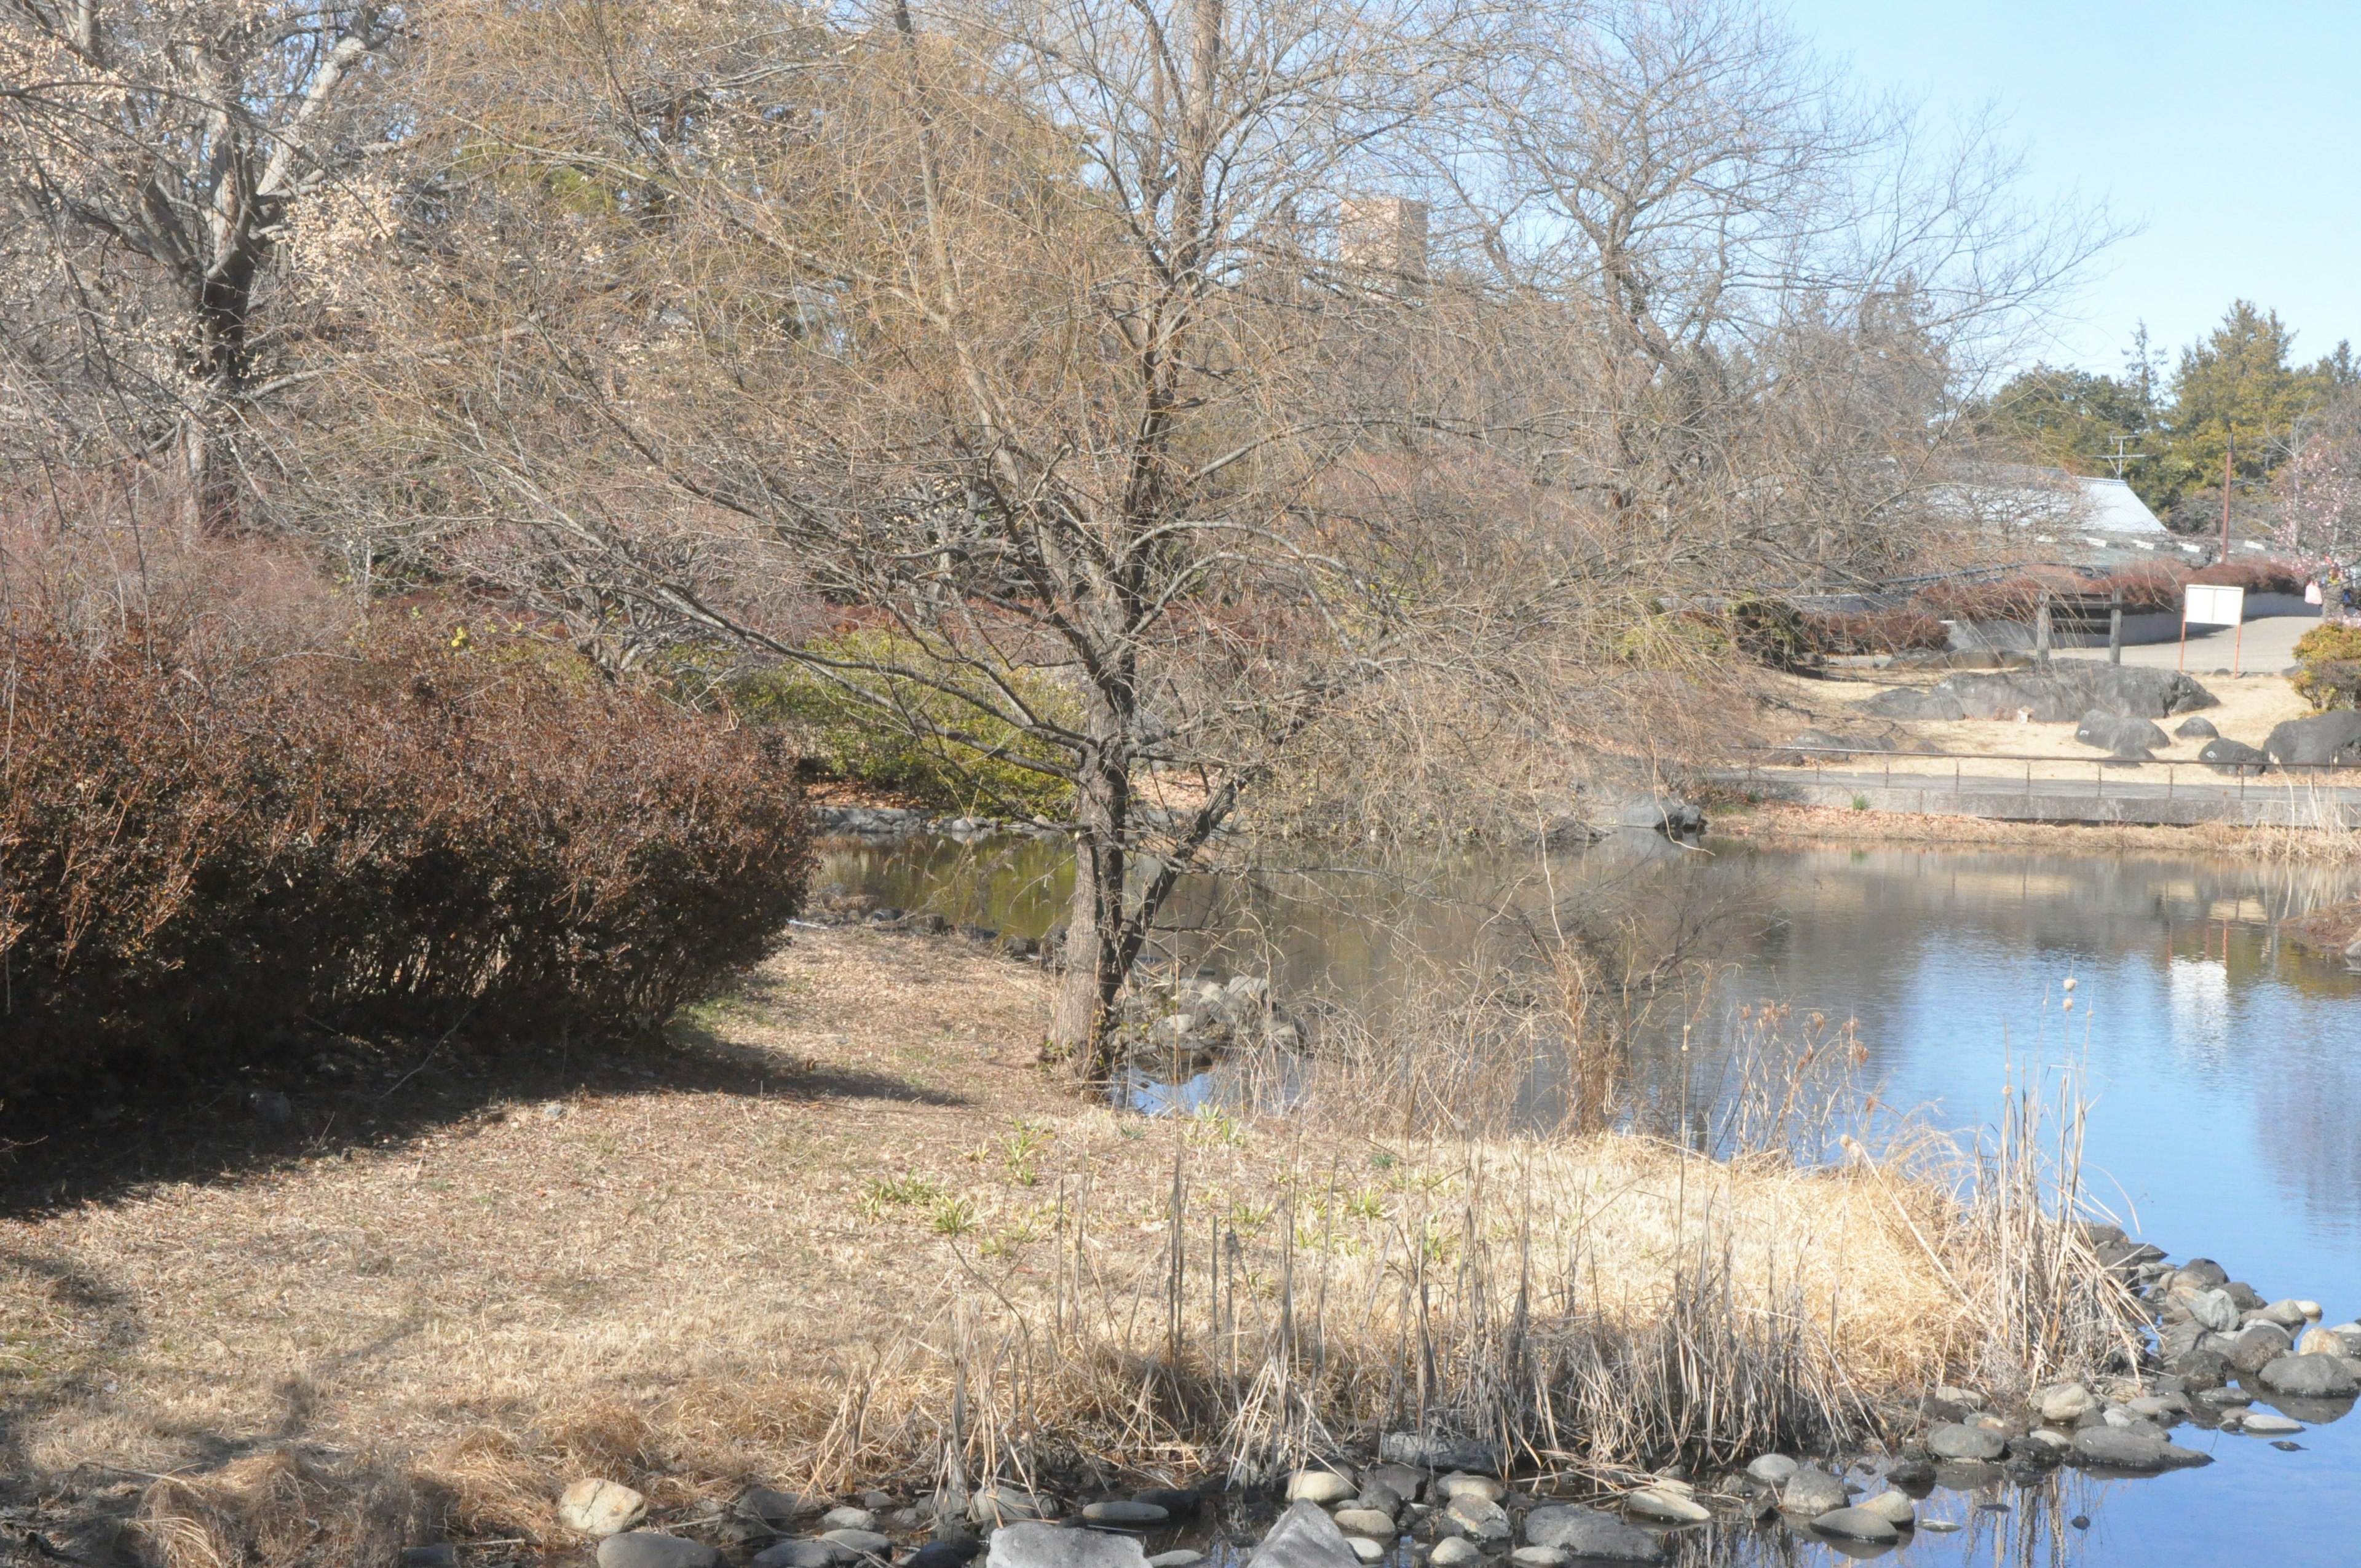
x=2098, y=765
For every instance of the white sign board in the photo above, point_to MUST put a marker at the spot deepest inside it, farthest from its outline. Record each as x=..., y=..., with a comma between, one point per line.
x=2209, y=605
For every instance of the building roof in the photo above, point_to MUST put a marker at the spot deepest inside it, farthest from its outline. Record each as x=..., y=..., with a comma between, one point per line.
x=2109, y=506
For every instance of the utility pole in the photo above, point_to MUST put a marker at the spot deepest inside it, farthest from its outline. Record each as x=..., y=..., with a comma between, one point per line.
x=2118, y=458
x=2228, y=450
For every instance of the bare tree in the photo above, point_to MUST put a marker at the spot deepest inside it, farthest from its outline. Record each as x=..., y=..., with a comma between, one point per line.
x=156, y=158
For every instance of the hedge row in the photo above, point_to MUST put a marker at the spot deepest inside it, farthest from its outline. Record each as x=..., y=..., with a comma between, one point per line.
x=408, y=836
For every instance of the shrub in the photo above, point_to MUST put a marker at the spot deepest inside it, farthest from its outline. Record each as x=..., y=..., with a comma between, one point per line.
x=412, y=836
x=907, y=734
x=1875, y=631
x=2328, y=640
x=2255, y=577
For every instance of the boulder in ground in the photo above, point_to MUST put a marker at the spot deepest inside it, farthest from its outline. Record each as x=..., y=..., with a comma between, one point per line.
x=2070, y=689
x=2257, y=1346
x=1665, y=814
x=1420, y=1450
x=1952, y=1440
x=2062, y=1401
x=1453, y=1553
x=1366, y=1521
x=600, y=1508
x=1896, y=1506
x=1587, y=1533
x=2123, y=1447
x=1771, y=1469
x=2323, y=739
x=2120, y=734
x=1031, y=1544
x=1812, y=1491
x=2196, y=729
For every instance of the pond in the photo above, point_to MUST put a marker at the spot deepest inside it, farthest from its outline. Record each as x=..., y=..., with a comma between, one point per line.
x=2223, y=1063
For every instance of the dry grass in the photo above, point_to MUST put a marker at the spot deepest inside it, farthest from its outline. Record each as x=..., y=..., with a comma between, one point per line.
x=1773, y=823
x=900, y=1248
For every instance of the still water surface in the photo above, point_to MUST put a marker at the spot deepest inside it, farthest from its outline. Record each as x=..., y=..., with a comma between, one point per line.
x=2224, y=1063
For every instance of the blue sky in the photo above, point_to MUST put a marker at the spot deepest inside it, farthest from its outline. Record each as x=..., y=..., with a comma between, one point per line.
x=2231, y=133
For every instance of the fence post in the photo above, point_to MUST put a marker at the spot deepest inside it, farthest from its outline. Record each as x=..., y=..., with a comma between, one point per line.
x=2115, y=626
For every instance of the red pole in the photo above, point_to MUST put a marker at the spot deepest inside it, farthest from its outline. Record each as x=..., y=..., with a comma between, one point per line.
x=2229, y=447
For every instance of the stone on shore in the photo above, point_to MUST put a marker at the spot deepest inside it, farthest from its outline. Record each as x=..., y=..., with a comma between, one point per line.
x=1008, y=1505
x=1456, y=1485
x=1539, y=1557
x=2126, y=1448
x=1772, y=1469
x=1666, y=1506
x=1320, y=1486
x=2120, y=734
x=1896, y=1507
x=1812, y=1491
x=1420, y=1450
x=799, y=1554
x=1365, y=1549
x=2269, y=1424
x=2062, y=1401
x=848, y=1518
x=1303, y=1538
x=1123, y=1511
x=778, y=1509
x=1366, y=1521
x=2257, y=1346
x=1587, y=1533
x=651, y=1549
x=2212, y=1310
x=1856, y=1524
x=2314, y=1376
x=600, y=1508
x=1031, y=1544
x=1952, y=1440
x=861, y=1542
x=1480, y=1517
x=1451, y=1551
x=2323, y=739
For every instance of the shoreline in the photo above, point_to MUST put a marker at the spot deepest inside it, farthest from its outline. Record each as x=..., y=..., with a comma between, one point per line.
x=1773, y=823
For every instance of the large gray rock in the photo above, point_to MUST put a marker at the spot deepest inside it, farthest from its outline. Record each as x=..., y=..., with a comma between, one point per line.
x=2195, y=730
x=1319, y=1485
x=2323, y=738
x=848, y=1518
x=1951, y=1441
x=2257, y=1346
x=2074, y=687
x=2212, y=1309
x=1771, y=1469
x=1372, y=1523
x=2062, y=1401
x=1034, y=1544
x=1587, y=1534
x=861, y=1542
x=1420, y=1450
x=1008, y=1505
x=800, y=1555
x=1665, y=814
x=1480, y=1517
x=651, y=1548
x=1663, y=1505
x=2228, y=756
x=1303, y=1538
x=2123, y=1447
x=2120, y=734
x=1812, y=1491
x=2314, y=1377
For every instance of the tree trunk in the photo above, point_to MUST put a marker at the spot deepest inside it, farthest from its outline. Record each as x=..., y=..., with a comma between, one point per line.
x=1082, y=1017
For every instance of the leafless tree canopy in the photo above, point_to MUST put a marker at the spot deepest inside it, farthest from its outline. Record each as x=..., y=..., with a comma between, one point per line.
x=1163, y=383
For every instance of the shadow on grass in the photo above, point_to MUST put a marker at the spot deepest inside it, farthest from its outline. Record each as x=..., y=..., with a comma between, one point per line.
x=333, y=1092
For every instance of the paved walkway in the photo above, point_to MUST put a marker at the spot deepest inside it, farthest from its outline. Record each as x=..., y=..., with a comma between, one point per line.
x=2262, y=647
x=2156, y=794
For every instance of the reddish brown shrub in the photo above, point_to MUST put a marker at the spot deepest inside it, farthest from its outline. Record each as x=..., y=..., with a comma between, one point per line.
x=1878, y=631
x=408, y=835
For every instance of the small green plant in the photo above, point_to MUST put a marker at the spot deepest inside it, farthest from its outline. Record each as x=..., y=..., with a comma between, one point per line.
x=880, y=1193
x=1366, y=1204
x=1381, y=1160
x=1861, y=803
x=1212, y=1125
x=954, y=1216
x=1019, y=1149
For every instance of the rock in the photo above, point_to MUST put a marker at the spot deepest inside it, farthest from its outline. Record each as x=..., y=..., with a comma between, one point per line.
x=1008, y=1505
x=2242, y=1295
x=2232, y=757
x=1304, y=1537
x=2321, y=1341
x=651, y=1549
x=2288, y=1315
x=777, y=1509
x=1665, y=814
x=2062, y=1401
x=1031, y=1544
x=1856, y=1524
x=1587, y=1533
x=270, y=1106
x=2120, y=734
x=1894, y=1507
x=1914, y=1476
x=2310, y=1310
x=2269, y=1424
x=949, y=1551
x=2324, y=738
x=1539, y=1557
x=1772, y=1469
x=2070, y=689
x=1173, y=1500
x=2124, y=1448
x=1480, y=1517
x=1965, y=1398
x=1952, y=1440
x=1420, y=1451
x=1403, y=1482
x=2212, y=1310
x=799, y=1554
x=1183, y=1558
x=1319, y=1487
x=1366, y=1521
x=1459, y=1485
x=1665, y=1505
x=848, y=1518
x=2312, y=1377
x=1453, y=1553
x=600, y=1508
x=1812, y=1491
x=2196, y=729
x=861, y=1542
x=1117, y=1510
x=1365, y=1549
x=1378, y=1498
x=441, y=1554
x=2257, y=1346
